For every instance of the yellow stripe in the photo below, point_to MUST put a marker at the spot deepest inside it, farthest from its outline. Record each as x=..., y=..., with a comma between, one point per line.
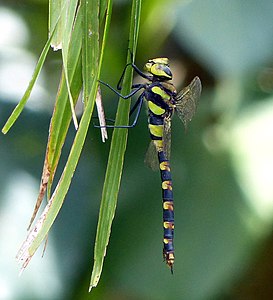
x=157, y=90
x=168, y=205
x=166, y=241
x=165, y=166
x=168, y=225
x=156, y=130
x=157, y=110
x=170, y=258
x=166, y=185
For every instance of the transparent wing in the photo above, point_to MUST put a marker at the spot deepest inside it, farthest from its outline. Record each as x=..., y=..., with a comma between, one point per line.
x=151, y=159
x=187, y=99
x=167, y=137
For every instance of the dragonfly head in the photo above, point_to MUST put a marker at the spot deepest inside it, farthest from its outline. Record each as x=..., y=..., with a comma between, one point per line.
x=159, y=67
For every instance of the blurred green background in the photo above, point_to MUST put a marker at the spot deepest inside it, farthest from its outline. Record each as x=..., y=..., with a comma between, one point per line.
x=222, y=166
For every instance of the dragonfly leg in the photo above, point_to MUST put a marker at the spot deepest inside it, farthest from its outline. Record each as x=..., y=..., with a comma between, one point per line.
x=137, y=106
x=119, y=85
x=139, y=72
x=138, y=88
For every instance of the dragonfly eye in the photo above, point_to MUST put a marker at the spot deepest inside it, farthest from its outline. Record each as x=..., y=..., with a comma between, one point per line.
x=161, y=71
x=159, y=67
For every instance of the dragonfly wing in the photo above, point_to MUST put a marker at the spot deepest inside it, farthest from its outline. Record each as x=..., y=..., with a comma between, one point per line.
x=167, y=137
x=187, y=99
x=151, y=159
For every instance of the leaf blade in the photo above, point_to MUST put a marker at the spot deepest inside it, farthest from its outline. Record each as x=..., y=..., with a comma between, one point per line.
x=115, y=161
x=49, y=214
x=20, y=106
x=61, y=116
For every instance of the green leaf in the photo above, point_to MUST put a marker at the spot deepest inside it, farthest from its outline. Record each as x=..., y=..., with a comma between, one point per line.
x=90, y=51
x=61, y=117
x=115, y=160
x=44, y=223
x=62, y=113
x=69, y=16
x=20, y=106
x=103, y=8
x=56, y=8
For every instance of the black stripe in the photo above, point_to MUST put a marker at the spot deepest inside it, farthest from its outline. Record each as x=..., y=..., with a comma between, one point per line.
x=166, y=175
x=168, y=215
x=167, y=195
x=169, y=247
x=155, y=120
x=153, y=137
x=162, y=156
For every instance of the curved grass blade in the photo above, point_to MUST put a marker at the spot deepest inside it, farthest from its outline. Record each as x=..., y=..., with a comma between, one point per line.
x=90, y=50
x=19, y=107
x=69, y=18
x=44, y=223
x=61, y=116
x=115, y=160
x=103, y=9
x=55, y=10
x=91, y=10
x=42, y=226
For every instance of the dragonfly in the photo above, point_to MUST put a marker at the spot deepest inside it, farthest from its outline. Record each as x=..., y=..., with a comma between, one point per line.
x=163, y=102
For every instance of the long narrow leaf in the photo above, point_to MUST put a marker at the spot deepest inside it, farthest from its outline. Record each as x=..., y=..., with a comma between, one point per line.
x=90, y=51
x=19, y=107
x=103, y=8
x=115, y=161
x=61, y=115
x=55, y=12
x=70, y=16
x=42, y=226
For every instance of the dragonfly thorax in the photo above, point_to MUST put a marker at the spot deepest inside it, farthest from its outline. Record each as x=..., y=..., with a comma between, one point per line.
x=160, y=97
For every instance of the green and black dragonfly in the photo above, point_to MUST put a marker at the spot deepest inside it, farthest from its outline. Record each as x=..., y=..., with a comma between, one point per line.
x=162, y=100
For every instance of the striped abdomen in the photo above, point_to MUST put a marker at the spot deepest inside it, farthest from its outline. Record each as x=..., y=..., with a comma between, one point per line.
x=156, y=133
x=159, y=104
x=168, y=213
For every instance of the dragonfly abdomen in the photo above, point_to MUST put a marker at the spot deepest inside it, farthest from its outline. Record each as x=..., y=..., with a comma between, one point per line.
x=168, y=210
x=157, y=117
